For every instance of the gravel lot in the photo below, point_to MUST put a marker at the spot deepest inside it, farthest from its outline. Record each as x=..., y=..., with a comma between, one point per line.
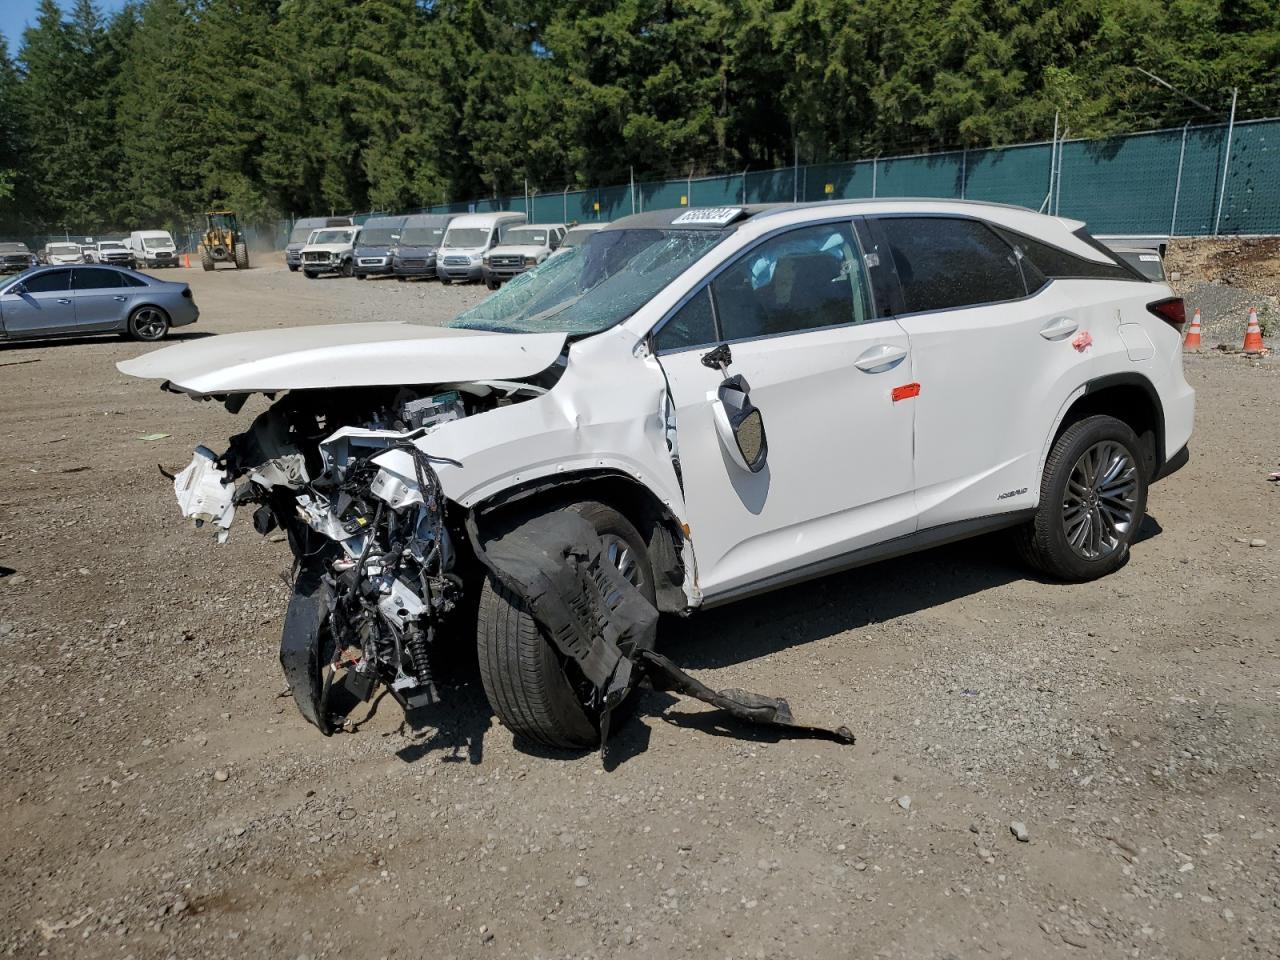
x=164, y=800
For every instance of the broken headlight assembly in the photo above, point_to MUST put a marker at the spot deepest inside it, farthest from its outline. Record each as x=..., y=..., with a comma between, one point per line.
x=372, y=548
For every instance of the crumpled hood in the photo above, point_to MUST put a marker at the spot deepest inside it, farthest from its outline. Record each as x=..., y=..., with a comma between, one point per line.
x=326, y=248
x=344, y=355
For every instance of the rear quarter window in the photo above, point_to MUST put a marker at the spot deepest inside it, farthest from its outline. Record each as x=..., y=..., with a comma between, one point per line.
x=1058, y=264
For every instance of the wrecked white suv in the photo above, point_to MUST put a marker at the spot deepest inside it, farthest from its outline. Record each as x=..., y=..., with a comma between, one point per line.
x=690, y=407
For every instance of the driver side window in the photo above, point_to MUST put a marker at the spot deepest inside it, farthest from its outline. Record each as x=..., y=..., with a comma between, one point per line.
x=802, y=280
x=808, y=278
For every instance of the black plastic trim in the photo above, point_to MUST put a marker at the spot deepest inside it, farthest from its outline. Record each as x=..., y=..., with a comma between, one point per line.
x=1136, y=380
x=897, y=547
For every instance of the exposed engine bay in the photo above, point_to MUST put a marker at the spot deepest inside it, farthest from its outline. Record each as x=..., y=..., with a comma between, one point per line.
x=380, y=546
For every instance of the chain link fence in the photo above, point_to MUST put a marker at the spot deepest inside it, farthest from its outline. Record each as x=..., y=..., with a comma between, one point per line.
x=1189, y=181
x=1177, y=182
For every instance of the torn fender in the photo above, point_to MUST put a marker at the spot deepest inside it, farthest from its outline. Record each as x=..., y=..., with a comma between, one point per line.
x=595, y=617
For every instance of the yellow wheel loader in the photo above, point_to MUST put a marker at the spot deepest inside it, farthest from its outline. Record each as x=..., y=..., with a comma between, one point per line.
x=223, y=241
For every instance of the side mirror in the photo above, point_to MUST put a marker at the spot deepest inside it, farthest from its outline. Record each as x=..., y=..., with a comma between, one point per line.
x=740, y=424
x=18, y=289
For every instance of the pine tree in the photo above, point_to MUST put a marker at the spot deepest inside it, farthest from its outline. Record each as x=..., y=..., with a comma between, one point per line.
x=11, y=136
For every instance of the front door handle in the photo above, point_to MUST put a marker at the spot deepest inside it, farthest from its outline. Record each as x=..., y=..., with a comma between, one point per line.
x=881, y=357
x=62, y=300
x=1059, y=327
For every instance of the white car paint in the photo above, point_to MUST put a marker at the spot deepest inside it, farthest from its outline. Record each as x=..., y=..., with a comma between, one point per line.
x=63, y=254
x=327, y=257
x=464, y=261
x=343, y=355
x=849, y=466
x=152, y=248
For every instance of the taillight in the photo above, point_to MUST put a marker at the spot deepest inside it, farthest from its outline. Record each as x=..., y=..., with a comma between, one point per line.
x=1171, y=311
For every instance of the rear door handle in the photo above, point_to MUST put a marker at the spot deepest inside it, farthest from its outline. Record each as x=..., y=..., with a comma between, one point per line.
x=1059, y=327
x=881, y=357
x=121, y=299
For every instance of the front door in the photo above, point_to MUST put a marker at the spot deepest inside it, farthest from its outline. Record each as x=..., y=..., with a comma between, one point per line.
x=802, y=329
x=43, y=307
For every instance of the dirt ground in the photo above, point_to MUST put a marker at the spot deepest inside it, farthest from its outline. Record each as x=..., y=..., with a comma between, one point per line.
x=164, y=800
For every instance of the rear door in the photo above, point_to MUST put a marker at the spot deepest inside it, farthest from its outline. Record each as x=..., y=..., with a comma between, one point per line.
x=102, y=299
x=991, y=343
x=797, y=314
x=43, y=308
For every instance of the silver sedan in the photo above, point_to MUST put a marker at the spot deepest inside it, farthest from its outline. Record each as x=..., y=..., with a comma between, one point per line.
x=69, y=301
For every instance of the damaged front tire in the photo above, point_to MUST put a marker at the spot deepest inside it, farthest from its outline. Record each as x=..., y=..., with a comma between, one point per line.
x=534, y=692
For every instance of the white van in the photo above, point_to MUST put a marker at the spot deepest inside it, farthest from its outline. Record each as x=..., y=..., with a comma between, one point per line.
x=152, y=248
x=468, y=239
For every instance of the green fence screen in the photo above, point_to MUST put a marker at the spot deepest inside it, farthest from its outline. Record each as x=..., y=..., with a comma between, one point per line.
x=1161, y=183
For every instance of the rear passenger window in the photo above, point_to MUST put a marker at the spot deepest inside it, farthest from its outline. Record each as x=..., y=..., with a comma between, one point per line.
x=948, y=262
x=808, y=278
x=693, y=325
x=94, y=278
x=129, y=280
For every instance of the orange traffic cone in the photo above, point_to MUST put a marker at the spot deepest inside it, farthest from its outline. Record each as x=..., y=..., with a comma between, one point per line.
x=1253, y=335
x=1193, y=335
x=187, y=258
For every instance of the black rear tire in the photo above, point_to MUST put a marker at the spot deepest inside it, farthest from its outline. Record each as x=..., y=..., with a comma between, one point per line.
x=148, y=324
x=206, y=259
x=1043, y=542
x=523, y=675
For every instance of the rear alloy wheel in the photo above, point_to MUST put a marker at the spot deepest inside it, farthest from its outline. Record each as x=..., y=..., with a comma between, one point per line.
x=148, y=324
x=532, y=691
x=1093, y=497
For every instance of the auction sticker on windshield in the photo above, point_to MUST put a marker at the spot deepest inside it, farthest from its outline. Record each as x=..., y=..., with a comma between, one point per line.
x=717, y=216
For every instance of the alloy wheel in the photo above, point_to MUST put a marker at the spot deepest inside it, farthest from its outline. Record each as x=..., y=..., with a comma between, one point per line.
x=1100, y=500
x=149, y=324
x=618, y=552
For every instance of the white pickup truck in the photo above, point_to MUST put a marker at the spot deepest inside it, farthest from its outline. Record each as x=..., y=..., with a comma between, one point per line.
x=330, y=250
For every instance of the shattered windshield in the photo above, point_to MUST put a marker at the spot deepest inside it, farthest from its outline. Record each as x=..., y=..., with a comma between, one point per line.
x=593, y=286
x=332, y=236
